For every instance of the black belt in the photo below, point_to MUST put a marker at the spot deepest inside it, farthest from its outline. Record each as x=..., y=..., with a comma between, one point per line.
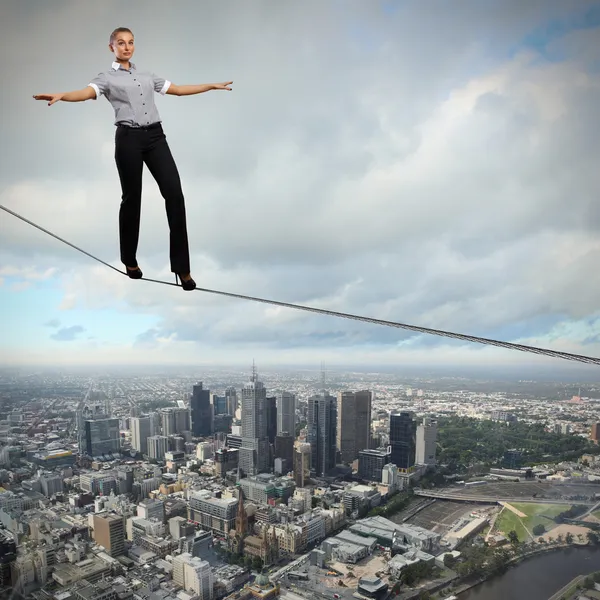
x=152, y=126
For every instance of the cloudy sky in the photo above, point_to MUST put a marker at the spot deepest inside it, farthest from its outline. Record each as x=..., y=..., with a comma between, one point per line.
x=420, y=161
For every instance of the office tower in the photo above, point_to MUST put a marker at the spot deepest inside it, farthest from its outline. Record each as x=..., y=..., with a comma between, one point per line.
x=271, y=406
x=353, y=424
x=219, y=404
x=286, y=414
x=403, y=440
x=141, y=430
x=174, y=420
x=231, y=400
x=254, y=452
x=426, y=442
x=202, y=412
x=154, y=423
x=167, y=421
x=102, y=437
x=182, y=419
x=371, y=463
x=158, y=446
x=322, y=426
x=109, y=532
x=302, y=462
x=284, y=448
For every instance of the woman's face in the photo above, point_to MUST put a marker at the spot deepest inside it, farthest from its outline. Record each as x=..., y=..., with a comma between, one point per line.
x=123, y=46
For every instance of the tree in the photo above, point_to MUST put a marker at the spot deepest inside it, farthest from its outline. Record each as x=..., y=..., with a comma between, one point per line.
x=449, y=561
x=513, y=537
x=592, y=537
x=539, y=529
x=569, y=538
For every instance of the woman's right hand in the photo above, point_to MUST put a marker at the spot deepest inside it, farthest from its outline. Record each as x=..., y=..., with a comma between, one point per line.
x=51, y=98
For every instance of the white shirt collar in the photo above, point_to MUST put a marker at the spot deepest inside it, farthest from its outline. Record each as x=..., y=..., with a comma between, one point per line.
x=116, y=65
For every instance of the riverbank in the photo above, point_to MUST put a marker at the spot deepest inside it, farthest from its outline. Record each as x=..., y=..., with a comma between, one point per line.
x=513, y=562
x=535, y=576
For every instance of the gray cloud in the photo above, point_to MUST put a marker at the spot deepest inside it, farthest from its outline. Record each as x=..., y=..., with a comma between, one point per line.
x=54, y=323
x=67, y=334
x=417, y=166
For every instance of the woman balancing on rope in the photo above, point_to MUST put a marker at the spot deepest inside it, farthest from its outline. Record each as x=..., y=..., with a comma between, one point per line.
x=140, y=139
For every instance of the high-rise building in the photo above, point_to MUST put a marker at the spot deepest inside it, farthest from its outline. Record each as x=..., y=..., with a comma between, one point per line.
x=371, y=463
x=353, y=424
x=271, y=409
x=219, y=404
x=202, y=412
x=403, y=440
x=284, y=448
x=158, y=446
x=102, y=437
x=302, y=462
x=286, y=414
x=109, y=531
x=141, y=430
x=174, y=420
x=194, y=575
x=322, y=426
x=254, y=451
x=231, y=400
x=426, y=442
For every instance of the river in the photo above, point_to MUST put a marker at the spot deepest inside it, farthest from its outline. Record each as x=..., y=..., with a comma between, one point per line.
x=539, y=577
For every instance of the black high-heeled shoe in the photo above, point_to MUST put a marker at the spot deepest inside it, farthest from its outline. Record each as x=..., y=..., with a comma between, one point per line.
x=135, y=273
x=188, y=285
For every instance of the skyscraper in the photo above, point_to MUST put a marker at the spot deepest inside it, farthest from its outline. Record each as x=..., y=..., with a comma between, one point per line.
x=102, y=436
x=302, y=461
x=174, y=420
x=426, y=442
x=141, y=430
x=353, y=424
x=322, y=426
x=254, y=452
x=403, y=440
x=232, y=401
x=158, y=446
x=271, y=410
x=286, y=414
x=202, y=412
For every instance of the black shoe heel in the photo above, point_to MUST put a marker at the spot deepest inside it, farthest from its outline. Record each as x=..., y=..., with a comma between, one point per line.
x=136, y=274
x=188, y=285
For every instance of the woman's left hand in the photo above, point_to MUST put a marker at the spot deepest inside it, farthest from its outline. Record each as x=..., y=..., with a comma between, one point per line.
x=223, y=86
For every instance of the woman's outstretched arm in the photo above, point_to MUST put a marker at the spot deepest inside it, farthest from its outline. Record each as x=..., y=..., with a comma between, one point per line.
x=87, y=93
x=189, y=90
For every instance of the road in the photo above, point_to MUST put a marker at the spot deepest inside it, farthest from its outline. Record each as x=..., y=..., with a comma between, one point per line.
x=492, y=499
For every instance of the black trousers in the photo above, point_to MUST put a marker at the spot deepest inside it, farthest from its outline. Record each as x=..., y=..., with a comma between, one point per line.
x=133, y=148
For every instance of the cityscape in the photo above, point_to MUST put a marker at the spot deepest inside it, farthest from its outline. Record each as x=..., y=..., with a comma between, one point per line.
x=300, y=300
x=340, y=484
